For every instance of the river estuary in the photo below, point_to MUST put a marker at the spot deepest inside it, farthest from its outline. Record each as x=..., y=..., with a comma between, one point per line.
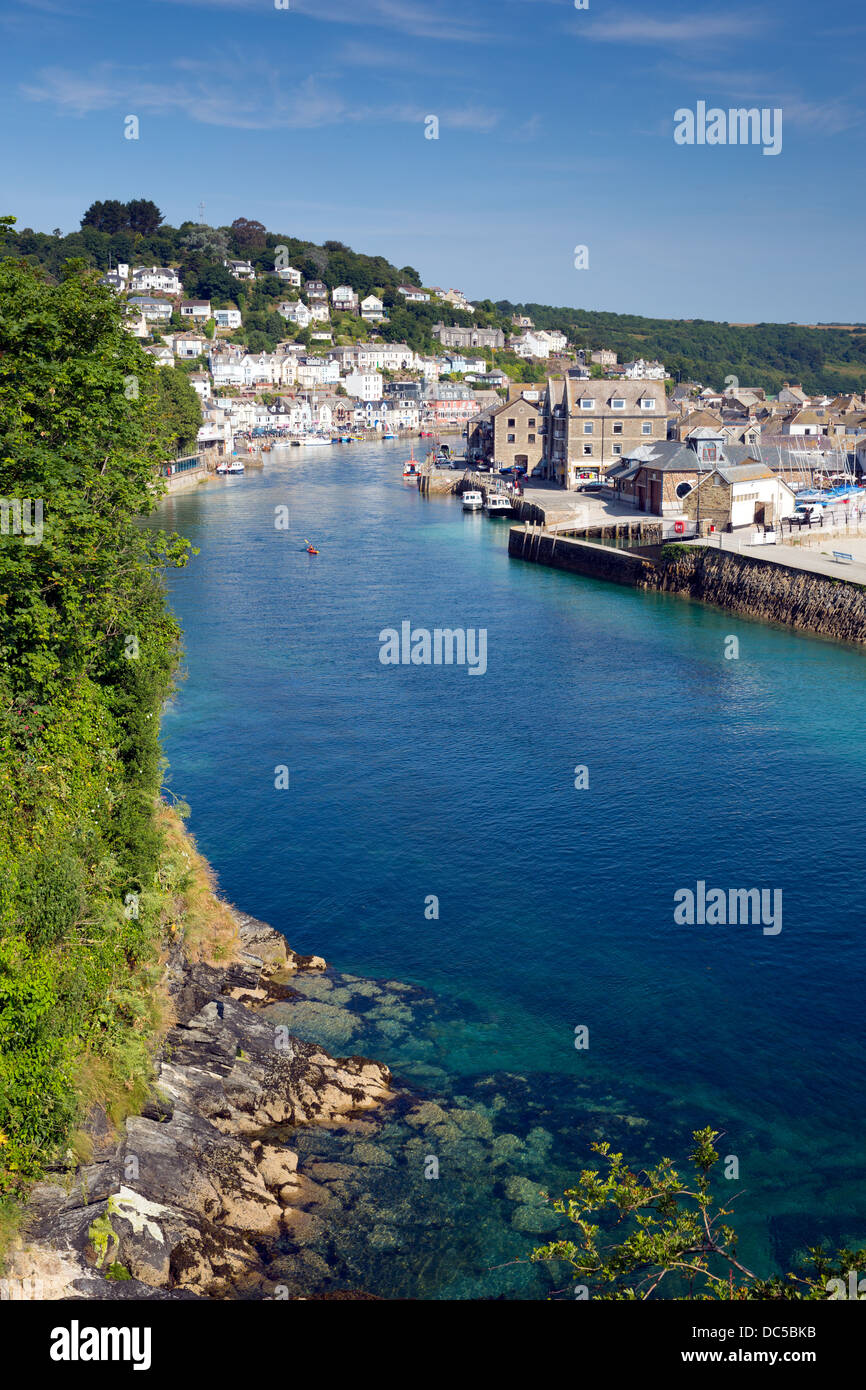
x=432, y=836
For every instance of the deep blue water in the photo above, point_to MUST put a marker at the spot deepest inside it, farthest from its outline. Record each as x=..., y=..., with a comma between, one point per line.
x=556, y=904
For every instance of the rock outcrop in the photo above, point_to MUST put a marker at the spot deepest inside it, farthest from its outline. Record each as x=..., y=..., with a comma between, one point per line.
x=198, y=1194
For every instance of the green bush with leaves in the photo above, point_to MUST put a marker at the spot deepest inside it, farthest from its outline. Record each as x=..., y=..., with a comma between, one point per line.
x=656, y=1234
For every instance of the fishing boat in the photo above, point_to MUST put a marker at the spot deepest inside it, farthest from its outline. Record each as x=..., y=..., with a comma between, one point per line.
x=472, y=501
x=410, y=466
x=230, y=466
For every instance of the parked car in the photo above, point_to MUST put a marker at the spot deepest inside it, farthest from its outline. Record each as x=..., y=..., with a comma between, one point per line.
x=807, y=514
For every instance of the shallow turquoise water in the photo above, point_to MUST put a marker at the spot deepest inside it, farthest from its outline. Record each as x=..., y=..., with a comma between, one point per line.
x=555, y=904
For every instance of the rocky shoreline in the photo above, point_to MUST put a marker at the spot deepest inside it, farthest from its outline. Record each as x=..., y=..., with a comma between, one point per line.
x=198, y=1197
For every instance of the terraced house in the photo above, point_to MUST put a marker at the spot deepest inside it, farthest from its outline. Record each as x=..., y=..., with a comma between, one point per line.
x=590, y=425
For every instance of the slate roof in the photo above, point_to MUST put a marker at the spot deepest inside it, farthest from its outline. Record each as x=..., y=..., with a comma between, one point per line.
x=666, y=455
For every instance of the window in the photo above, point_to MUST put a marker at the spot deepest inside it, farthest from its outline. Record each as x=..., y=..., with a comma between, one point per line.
x=683, y=489
x=587, y=449
x=509, y=439
x=617, y=449
x=531, y=424
x=617, y=403
x=588, y=426
x=617, y=429
x=511, y=424
x=530, y=438
x=647, y=403
x=587, y=404
x=646, y=427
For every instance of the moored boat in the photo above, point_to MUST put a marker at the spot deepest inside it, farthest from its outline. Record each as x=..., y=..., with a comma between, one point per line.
x=498, y=504
x=472, y=501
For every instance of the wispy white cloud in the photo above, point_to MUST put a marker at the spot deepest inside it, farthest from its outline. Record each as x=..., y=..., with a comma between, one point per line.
x=205, y=94
x=420, y=19
x=692, y=29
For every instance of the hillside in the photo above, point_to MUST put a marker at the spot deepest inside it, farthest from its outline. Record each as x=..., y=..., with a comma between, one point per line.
x=826, y=358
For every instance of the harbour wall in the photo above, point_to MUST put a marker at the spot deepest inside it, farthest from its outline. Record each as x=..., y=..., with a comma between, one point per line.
x=744, y=584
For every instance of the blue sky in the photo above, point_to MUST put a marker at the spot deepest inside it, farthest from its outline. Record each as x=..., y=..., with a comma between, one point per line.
x=555, y=129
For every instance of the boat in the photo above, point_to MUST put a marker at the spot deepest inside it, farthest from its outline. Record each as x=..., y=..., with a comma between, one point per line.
x=498, y=504
x=310, y=548
x=410, y=466
x=316, y=438
x=230, y=466
x=296, y=443
x=472, y=501
x=389, y=435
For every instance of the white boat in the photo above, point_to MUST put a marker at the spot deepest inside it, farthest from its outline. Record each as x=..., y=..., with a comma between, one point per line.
x=316, y=438
x=472, y=501
x=498, y=504
x=230, y=466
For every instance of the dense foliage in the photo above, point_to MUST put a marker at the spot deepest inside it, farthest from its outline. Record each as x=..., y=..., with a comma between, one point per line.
x=763, y=354
x=87, y=654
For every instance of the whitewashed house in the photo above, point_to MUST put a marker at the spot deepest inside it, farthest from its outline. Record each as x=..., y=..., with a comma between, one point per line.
x=344, y=299
x=187, y=346
x=227, y=371
x=364, y=386
x=154, y=310
x=644, y=371
x=557, y=341
x=200, y=383
x=317, y=371
x=196, y=309
x=162, y=355
x=291, y=276
x=227, y=318
x=259, y=367
x=157, y=277
x=241, y=270
x=530, y=344
x=285, y=368
x=372, y=309
x=413, y=295
x=295, y=311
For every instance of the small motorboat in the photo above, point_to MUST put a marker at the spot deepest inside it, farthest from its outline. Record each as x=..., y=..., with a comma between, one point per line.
x=410, y=466
x=389, y=435
x=230, y=466
x=472, y=501
x=498, y=504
